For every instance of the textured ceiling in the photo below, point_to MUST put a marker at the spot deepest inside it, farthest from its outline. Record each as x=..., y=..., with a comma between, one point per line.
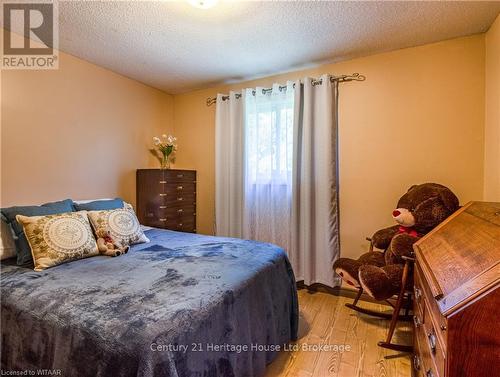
x=175, y=47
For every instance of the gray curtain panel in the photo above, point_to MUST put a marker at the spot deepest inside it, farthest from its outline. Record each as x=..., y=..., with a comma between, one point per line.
x=315, y=213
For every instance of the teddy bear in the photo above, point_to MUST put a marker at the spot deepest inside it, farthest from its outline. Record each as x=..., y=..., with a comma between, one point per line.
x=420, y=210
x=107, y=246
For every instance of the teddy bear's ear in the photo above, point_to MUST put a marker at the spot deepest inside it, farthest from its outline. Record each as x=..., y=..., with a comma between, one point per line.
x=449, y=199
x=412, y=187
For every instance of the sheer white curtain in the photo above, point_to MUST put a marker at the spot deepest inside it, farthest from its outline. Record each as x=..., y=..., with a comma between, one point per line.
x=268, y=162
x=277, y=173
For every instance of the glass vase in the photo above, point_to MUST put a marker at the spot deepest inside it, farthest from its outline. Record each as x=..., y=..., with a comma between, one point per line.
x=165, y=163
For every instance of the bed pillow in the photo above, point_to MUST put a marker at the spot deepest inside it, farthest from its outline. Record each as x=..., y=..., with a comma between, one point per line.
x=23, y=248
x=57, y=239
x=98, y=205
x=7, y=242
x=121, y=224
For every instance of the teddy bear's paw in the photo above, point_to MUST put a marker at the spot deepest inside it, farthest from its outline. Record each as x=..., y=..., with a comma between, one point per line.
x=375, y=282
x=347, y=277
x=347, y=269
x=401, y=245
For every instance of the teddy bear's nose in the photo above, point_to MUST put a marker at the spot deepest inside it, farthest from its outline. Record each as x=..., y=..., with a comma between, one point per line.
x=396, y=213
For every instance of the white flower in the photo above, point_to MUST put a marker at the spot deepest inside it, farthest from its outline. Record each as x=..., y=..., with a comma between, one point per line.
x=164, y=136
x=156, y=140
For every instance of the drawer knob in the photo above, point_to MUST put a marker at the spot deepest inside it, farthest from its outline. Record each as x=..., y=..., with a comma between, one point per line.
x=418, y=294
x=180, y=210
x=179, y=188
x=416, y=362
x=180, y=199
x=180, y=175
x=443, y=327
x=163, y=220
x=163, y=194
x=180, y=225
x=416, y=321
x=163, y=181
x=163, y=207
x=432, y=342
x=429, y=373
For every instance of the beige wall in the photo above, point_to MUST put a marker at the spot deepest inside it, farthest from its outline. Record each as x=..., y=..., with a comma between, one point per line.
x=79, y=132
x=492, y=121
x=418, y=117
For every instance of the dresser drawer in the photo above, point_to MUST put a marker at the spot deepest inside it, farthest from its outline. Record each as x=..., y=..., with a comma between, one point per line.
x=152, y=182
x=178, y=200
x=175, y=212
x=184, y=224
x=180, y=188
x=180, y=176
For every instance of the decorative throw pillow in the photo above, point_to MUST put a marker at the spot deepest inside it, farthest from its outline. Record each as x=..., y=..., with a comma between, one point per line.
x=22, y=246
x=56, y=239
x=7, y=243
x=121, y=224
x=98, y=205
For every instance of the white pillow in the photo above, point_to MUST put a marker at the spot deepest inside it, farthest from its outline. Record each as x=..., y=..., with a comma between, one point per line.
x=7, y=243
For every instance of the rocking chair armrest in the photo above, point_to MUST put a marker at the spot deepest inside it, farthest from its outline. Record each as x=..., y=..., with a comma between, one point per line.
x=408, y=259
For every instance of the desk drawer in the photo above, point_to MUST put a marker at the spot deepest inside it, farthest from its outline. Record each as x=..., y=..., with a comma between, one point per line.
x=440, y=322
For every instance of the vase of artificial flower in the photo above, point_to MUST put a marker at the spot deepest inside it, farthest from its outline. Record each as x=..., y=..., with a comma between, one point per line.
x=164, y=149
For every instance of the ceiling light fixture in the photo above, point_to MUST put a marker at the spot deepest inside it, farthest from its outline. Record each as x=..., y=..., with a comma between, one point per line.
x=203, y=4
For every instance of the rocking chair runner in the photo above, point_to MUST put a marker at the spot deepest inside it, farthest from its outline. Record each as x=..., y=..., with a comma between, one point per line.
x=403, y=299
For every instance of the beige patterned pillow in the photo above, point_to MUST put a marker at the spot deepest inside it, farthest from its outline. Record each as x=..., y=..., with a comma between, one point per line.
x=56, y=239
x=121, y=223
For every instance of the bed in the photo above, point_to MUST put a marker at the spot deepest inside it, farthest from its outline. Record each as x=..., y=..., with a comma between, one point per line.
x=180, y=305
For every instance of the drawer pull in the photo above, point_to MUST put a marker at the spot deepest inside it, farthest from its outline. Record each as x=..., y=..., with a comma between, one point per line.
x=163, y=220
x=163, y=194
x=180, y=175
x=163, y=207
x=416, y=362
x=443, y=327
x=180, y=199
x=432, y=342
x=180, y=210
x=179, y=188
x=418, y=294
x=180, y=225
x=163, y=181
x=429, y=373
x=416, y=321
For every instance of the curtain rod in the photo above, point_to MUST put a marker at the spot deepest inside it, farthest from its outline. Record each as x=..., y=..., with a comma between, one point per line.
x=341, y=78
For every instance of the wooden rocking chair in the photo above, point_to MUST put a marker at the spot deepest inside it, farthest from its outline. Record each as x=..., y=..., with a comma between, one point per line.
x=406, y=302
x=403, y=299
x=408, y=269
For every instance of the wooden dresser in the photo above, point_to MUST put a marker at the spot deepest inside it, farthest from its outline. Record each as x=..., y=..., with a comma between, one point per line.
x=166, y=198
x=457, y=295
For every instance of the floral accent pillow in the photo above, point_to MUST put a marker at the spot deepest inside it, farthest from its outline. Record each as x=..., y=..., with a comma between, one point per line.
x=121, y=224
x=57, y=239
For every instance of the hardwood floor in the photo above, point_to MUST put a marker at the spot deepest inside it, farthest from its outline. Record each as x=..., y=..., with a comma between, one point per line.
x=324, y=320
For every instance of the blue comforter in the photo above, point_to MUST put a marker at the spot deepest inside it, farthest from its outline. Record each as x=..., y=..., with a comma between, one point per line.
x=181, y=305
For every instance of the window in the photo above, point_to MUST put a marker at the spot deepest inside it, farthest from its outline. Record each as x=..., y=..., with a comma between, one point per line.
x=269, y=137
